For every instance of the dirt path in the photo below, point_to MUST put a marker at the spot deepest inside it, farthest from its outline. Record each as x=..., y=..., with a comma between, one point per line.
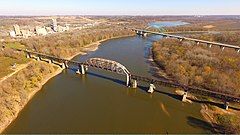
x=18, y=68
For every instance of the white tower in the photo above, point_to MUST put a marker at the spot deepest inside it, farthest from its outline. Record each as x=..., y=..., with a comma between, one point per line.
x=54, y=25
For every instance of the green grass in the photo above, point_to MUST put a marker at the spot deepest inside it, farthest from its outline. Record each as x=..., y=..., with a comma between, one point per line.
x=15, y=45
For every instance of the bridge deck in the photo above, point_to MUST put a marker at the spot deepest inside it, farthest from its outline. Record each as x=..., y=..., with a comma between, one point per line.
x=195, y=90
x=190, y=39
x=205, y=92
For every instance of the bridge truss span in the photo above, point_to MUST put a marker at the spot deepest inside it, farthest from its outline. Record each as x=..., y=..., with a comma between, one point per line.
x=109, y=65
x=116, y=67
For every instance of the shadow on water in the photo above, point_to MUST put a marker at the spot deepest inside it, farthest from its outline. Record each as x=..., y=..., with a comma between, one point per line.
x=220, y=105
x=101, y=76
x=72, y=69
x=174, y=96
x=212, y=103
x=198, y=123
x=145, y=89
x=192, y=121
x=107, y=78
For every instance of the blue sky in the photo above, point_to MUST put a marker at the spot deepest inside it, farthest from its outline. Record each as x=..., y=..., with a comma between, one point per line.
x=119, y=7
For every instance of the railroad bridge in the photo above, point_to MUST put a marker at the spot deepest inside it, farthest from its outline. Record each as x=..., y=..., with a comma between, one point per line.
x=181, y=38
x=131, y=79
x=109, y=65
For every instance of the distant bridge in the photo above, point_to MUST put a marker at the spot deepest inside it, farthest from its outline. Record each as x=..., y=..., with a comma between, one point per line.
x=181, y=38
x=131, y=79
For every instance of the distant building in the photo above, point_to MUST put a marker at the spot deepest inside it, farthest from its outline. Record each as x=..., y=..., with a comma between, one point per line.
x=25, y=33
x=62, y=29
x=12, y=34
x=58, y=28
x=67, y=27
x=41, y=31
x=54, y=25
x=17, y=30
x=49, y=30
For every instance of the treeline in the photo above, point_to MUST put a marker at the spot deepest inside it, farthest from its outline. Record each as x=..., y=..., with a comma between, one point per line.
x=16, y=90
x=67, y=44
x=186, y=28
x=196, y=66
x=8, y=52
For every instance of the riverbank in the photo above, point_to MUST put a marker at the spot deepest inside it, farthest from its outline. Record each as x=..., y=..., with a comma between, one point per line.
x=222, y=121
x=94, y=46
x=31, y=95
x=181, y=66
x=58, y=70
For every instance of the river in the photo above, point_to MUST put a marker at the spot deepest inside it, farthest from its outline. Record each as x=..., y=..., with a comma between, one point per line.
x=99, y=102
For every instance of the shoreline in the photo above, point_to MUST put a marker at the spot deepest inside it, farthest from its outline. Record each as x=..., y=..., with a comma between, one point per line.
x=88, y=48
x=203, y=109
x=31, y=95
x=94, y=46
x=208, y=114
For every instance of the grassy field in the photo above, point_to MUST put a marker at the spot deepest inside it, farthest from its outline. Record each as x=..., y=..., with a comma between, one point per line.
x=7, y=62
x=15, y=45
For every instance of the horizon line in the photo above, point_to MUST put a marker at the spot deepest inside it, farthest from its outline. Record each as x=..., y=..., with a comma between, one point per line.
x=129, y=15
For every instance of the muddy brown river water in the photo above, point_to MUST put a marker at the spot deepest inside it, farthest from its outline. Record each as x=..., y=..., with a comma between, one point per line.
x=99, y=102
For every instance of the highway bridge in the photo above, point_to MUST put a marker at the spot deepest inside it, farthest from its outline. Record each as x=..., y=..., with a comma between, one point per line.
x=131, y=79
x=181, y=38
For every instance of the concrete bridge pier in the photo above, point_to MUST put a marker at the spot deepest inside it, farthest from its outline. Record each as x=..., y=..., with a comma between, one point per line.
x=151, y=88
x=62, y=65
x=238, y=50
x=226, y=105
x=28, y=55
x=38, y=58
x=222, y=48
x=141, y=33
x=78, y=71
x=180, y=39
x=86, y=68
x=49, y=61
x=138, y=32
x=66, y=64
x=82, y=69
x=134, y=84
x=210, y=45
x=144, y=34
x=128, y=79
x=184, y=96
